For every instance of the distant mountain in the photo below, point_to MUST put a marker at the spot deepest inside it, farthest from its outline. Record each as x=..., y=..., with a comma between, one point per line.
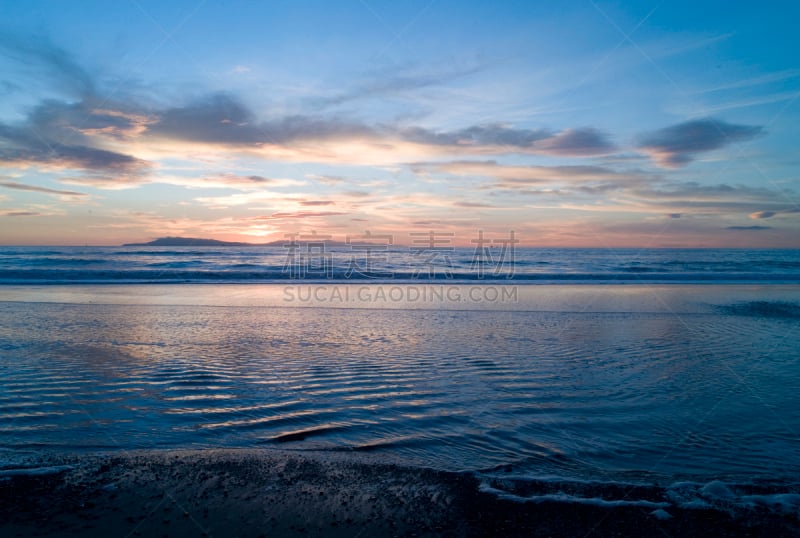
x=198, y=242
x=186, y=242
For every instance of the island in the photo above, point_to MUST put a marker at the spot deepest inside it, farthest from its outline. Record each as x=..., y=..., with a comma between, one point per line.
x=201, y=242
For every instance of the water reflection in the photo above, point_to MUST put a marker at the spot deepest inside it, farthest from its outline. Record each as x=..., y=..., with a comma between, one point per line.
x=445, y=388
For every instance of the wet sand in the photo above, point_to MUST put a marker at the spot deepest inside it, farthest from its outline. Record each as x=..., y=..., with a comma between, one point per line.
x=282, y=493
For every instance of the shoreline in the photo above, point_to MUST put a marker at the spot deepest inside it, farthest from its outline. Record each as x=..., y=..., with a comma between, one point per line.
x=247, y=492
x=669, y=298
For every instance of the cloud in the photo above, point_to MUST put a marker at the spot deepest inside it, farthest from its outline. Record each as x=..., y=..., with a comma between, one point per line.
x=296, y=215
x=227, y=180
x=328, y=180
x=472, y=204
x=476, y=136
x=357, y=194
x=317, y=202
x=782, y=210
x=258, y=197
x=34, y=188
x=104, y=137
x=750, y=101
x=39, y=54
x=693, y=191
x=224, y=181
x=53, y=154
x=222, y=119
x=604, y=189
x=20, y=213
x=86, y=120
x=778, y=76
x=763, y=214
x=394, y=81
x=218, y=119
x=695, y=198
x=117, y=124
x=107, y=182
x=753, y=228
x=501, y=138
x=233, y=179
x=53, y=136
x=677, y=145
x=577, y=142
x=524, y=174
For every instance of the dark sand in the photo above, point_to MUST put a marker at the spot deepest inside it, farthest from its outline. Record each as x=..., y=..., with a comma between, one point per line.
x=273, y=493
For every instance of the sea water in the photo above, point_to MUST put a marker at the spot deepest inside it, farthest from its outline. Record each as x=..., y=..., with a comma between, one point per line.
x=620, y=381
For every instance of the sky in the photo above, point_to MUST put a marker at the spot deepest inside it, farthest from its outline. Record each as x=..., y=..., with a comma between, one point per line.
x=572, y=123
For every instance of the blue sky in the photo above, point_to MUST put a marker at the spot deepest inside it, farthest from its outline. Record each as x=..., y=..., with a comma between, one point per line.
x=575, y=123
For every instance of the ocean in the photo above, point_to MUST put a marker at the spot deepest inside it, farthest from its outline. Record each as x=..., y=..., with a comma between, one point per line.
x=309, y=262
x=588, y=371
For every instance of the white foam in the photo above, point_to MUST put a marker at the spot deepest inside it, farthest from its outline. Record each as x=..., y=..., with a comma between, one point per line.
x=695, y=505
x=717, y=490
x=718, y=494
x=559, y=479
x=784, y=502
x=572, y=499
x=35, y=471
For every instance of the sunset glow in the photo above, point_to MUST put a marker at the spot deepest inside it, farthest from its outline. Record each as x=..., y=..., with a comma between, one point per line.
x=586, y=124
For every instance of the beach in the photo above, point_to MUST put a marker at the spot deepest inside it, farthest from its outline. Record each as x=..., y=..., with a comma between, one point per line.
x=248, y=410
x=279, y=493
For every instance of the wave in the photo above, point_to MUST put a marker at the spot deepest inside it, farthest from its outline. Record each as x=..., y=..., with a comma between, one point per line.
x=173, y=272
x=20, y=265
x=178, y=264
x=49, y=261
x=779, y=498
x=764, y=309
x=155, y=252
